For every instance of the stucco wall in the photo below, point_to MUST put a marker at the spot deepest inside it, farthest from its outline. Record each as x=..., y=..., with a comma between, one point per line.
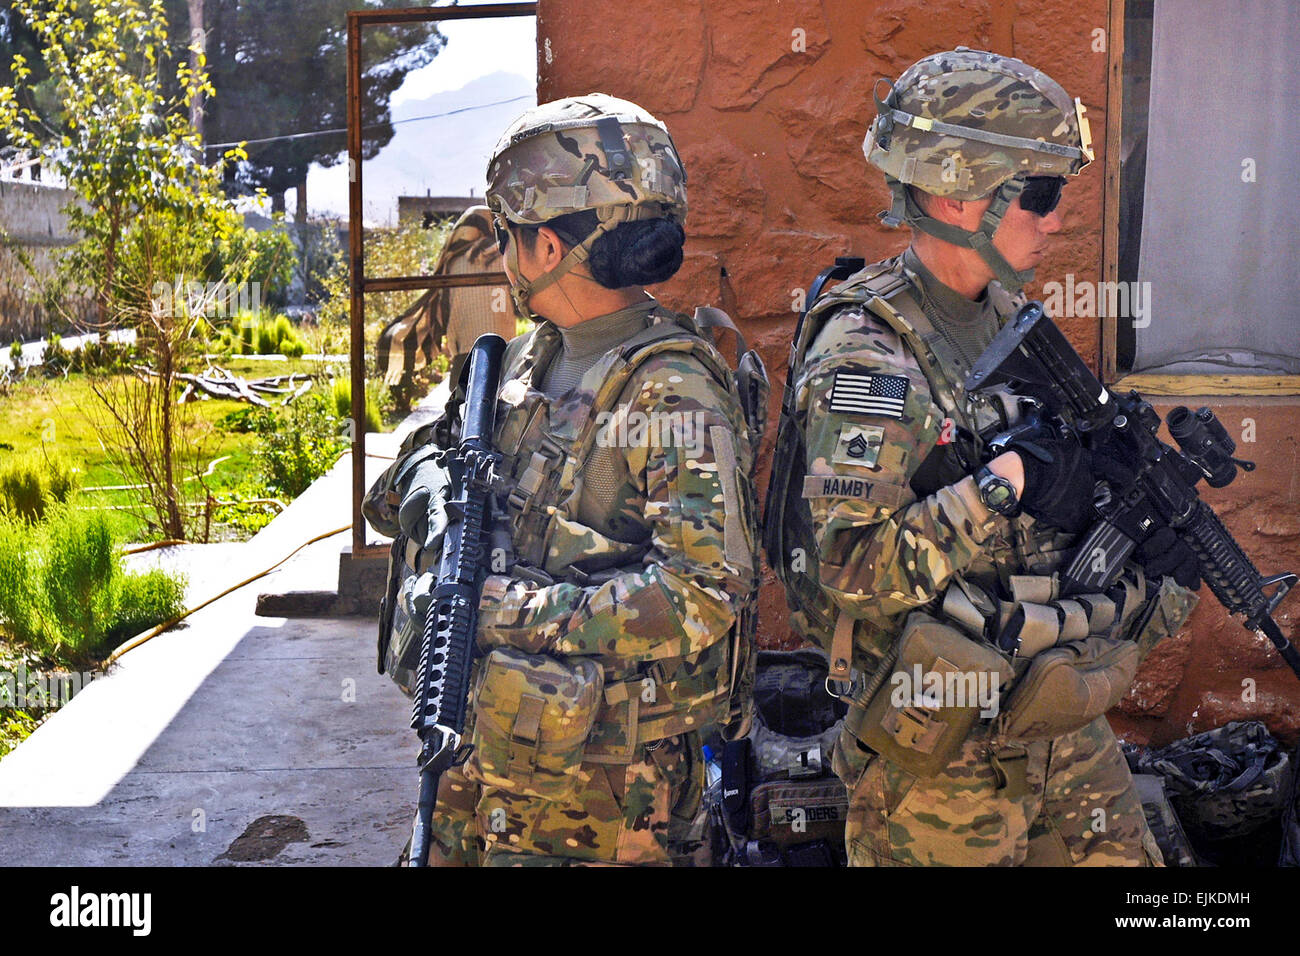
x=31, y=221
x=768, y=101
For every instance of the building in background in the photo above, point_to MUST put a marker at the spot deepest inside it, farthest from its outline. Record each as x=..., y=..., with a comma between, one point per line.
x=428, y=209
x=769, y=103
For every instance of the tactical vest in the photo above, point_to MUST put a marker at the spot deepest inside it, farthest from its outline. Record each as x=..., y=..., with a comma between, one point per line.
x=545, y=445
x=1035, y=606
x=788, y=536
x=543, y=450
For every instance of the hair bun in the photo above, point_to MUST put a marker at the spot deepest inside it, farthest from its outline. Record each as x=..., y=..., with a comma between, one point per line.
x=640, y=252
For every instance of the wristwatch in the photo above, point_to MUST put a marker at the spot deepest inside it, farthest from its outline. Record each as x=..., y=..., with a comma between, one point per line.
x=997, y=493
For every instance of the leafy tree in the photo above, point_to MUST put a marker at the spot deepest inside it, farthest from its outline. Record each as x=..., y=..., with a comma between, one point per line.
x=280, y=68
x=18, y=43
x=126, y=147
x=149, y=212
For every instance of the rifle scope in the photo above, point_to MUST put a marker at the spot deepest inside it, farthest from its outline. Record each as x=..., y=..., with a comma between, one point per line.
x=1204, y=440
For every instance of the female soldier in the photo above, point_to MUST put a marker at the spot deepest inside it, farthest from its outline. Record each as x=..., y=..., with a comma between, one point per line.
x=617, y=630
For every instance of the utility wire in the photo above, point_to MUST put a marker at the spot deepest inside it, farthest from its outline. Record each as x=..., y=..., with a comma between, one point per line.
x=344, y=129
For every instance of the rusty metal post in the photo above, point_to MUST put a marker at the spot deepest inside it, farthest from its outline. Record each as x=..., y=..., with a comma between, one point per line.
x=359, y=285
x=356, y=282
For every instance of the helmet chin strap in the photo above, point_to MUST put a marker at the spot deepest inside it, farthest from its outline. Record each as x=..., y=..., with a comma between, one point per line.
x=524, y=289
x=905, y=209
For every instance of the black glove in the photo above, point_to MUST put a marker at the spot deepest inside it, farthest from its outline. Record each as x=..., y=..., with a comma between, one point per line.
x=422, y=514
x=1165, y=553
x=1059, y=479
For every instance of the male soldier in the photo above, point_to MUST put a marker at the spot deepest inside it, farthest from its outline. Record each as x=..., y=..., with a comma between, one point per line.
x=613, y=633
x=975, y=148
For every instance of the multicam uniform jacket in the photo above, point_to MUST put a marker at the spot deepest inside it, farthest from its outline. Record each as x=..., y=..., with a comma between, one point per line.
x=636, y=551
x=890, y=539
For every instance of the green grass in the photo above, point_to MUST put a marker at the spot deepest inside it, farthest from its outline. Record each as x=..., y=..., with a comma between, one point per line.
x=59, y=415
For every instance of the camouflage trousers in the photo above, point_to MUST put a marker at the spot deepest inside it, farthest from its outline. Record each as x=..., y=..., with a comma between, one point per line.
x=632, y=814
x=1069, y=801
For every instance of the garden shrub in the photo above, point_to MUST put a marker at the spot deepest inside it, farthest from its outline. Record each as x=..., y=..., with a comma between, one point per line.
x=299, y=443
x=30, y=483
x=341, y=390
x=64, y=593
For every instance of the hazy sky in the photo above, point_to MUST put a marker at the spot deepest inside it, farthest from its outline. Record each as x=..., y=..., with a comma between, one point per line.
x=474, y=49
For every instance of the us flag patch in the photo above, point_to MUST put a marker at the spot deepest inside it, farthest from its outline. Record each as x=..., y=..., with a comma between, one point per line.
x=858, y=392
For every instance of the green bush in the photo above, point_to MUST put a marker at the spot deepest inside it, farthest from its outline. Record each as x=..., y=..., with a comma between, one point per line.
x=144, y=601
x=16, y=353
x=249, y=255
x=30, y=483
x=243, y=420
x=250, y=334
x=56, y=359
x=341, y=390
x=247, y=334
x=266, y=343
x=242, y=511
x=64, y=593
x=298, y=443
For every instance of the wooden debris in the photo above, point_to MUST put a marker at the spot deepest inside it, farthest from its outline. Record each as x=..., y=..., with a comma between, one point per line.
x=221, y=383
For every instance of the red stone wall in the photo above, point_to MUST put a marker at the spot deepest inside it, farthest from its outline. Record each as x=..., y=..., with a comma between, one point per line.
x=768, y=101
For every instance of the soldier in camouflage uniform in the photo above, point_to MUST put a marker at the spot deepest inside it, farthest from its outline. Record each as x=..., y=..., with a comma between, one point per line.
x=975, y=148
x=612, y=634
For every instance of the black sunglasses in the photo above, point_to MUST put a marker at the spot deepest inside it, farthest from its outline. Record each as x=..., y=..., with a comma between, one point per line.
x=503, y=237
x=1041, y=194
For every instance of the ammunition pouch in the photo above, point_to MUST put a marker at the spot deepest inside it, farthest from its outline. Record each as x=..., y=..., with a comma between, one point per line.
x=661, y=700
x=922, y=714
x=1068, y=686
x=533, y=716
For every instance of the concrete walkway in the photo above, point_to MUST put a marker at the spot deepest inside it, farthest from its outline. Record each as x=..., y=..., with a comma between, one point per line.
x=236, y=738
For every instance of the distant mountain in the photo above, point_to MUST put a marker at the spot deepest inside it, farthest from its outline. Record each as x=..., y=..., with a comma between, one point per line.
x=445, y=156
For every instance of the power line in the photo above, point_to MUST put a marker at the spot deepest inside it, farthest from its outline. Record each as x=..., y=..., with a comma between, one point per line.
x=344, y=129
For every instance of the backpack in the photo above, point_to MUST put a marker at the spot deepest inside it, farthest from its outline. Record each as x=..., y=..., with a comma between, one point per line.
x=777, y=801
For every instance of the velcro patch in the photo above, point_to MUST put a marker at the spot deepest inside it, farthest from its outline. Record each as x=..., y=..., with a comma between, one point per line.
x=859, y=445
x=857, y=391
x=847, y=486
x=798, y=812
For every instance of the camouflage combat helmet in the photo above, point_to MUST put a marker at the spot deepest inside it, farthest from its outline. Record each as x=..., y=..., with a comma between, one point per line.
x=967, y=124
x=583, y=152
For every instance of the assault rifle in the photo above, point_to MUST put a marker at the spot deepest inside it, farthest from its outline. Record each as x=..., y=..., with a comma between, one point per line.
x=1032, y=358
x=447, y=651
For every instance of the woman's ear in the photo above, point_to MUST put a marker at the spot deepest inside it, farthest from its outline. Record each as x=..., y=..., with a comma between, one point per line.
x=549, y=249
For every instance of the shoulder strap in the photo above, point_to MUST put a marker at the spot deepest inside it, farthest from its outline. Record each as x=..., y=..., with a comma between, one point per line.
x=672, y=332
x=710, y=318
x=883, y=292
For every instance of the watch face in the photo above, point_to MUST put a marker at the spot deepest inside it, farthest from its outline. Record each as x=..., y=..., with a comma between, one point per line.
x=998, y=493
